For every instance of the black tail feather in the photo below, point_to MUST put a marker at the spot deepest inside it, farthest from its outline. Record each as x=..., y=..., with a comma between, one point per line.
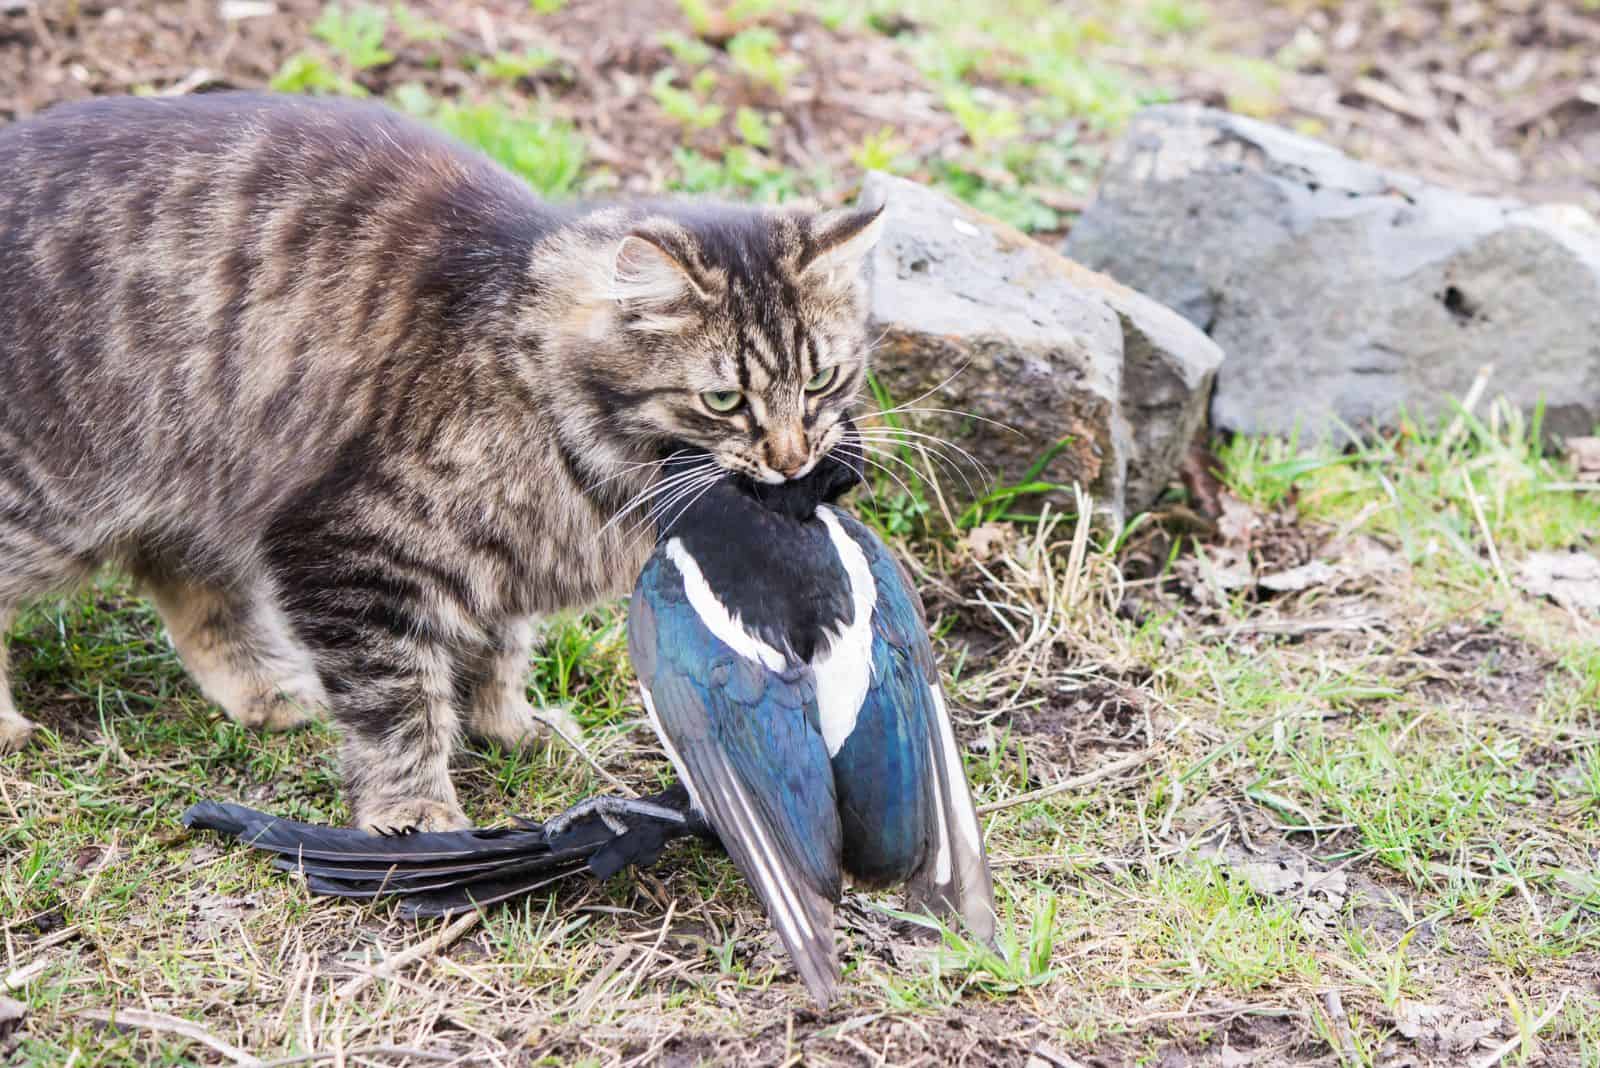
x=445, y=872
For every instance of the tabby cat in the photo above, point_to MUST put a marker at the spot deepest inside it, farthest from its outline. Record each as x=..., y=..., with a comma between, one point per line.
x=355, y=407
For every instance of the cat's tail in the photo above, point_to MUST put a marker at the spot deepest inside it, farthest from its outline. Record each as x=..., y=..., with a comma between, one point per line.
x=439, y=873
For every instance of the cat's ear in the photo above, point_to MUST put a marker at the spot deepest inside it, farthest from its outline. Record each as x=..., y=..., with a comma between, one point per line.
x=645, y=275
x=841, y=243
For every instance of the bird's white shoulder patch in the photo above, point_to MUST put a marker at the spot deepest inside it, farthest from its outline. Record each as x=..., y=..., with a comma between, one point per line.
x=844, y=670
x=715, y=615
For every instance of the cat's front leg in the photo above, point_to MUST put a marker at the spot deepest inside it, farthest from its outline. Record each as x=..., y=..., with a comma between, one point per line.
x=497, y=704
x=399, y=723
x=386, y=662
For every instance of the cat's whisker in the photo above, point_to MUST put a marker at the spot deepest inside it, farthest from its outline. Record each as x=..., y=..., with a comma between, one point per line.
x=705, y=474
x=956, y=412
x=652, y=522
x=921, y=473
x=947, y=453
x=897, y=436
x=655, y=490
x=632, y=466
x=861, y=452
x=928, y=453
x=691, y=503
x=920, y=397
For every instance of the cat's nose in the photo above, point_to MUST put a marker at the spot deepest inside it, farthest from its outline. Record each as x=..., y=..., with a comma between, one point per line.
x=787, y=454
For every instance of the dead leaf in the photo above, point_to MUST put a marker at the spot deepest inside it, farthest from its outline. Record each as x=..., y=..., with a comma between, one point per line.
x=1571, y=580
x=1363, y=556
x=1270, y=876
x=984, y=542
x=1238, y=523
x=1442, y=1027
x=1304, y=577
x=1584, y=456
x=1214, y=571
x=11, y=1015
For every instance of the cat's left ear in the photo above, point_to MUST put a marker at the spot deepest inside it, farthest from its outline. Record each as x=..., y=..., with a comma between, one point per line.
x=841, y=242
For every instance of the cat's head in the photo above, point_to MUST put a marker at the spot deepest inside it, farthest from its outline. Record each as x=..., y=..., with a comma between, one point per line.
x=736, y=330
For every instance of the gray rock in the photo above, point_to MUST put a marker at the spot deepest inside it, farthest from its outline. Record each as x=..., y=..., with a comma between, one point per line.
x=1342, y=292
x=1003, y=328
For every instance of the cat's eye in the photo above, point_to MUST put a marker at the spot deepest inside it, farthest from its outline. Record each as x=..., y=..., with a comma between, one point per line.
x=722, y=400
x=821, y=380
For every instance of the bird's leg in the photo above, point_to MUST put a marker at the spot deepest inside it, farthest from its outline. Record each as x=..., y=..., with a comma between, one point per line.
x=611, y=811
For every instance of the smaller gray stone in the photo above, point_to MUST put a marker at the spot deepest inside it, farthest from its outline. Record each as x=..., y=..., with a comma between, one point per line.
x=1007, y=330
x=1343, y=293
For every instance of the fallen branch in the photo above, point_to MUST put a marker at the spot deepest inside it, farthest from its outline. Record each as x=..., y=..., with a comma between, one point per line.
x=1076, y=782
x=404, y=959
x=160, y=1021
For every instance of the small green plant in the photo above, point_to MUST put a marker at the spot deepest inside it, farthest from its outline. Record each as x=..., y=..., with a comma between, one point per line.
x=708, y=21
x=1009, y=203
x=547, y=153
x=986, y=124
x=881, y=151
x=415, y=28
x=755, y=53
x=1004, y=503
x=687, y=106
x=753, y=128
x=740, y=170
x=689, y=51
x=547, y=7
x=306, y=73
x=1173, y=17
x=513, y=67
x=356, y=34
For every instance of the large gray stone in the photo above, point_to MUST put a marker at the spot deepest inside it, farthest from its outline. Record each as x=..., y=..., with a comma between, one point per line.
x=1019, y=335
x=1342, y=292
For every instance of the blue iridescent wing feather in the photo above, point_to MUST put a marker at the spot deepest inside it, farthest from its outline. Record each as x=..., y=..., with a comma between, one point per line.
x=928, y=833
x=745, y=740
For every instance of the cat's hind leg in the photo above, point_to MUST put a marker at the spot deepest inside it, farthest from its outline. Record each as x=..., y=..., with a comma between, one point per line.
x=237, y=646
x=14, y=726
x=36, y=558
x=497, y=707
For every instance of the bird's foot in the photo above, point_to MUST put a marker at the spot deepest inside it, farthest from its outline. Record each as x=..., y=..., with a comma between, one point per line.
x=611, y=811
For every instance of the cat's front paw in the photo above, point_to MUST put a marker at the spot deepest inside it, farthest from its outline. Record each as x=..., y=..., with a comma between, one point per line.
x=411, y=815
x=517, y=724
x=14, y=733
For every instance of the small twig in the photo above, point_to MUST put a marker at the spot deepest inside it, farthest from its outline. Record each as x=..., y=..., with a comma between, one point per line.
x=1483, y=528
x=360, y=1051
x=1468, y=402
x=577, y=747
x=661, y=936
x=160, y=1021
x=1341, y=1025
x=20, y=978
x=1088, y=778
x=404, y=959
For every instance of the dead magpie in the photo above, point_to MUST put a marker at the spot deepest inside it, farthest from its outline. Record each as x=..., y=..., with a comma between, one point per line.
x=784, y=660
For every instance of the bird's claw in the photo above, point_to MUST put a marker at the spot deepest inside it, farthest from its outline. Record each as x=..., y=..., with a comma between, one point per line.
x=610, y=811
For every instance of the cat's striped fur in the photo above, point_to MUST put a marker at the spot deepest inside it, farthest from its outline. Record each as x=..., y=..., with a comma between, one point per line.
x=355, y=407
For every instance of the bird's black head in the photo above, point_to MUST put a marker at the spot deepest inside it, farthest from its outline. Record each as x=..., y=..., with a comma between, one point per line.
x=796, y=499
